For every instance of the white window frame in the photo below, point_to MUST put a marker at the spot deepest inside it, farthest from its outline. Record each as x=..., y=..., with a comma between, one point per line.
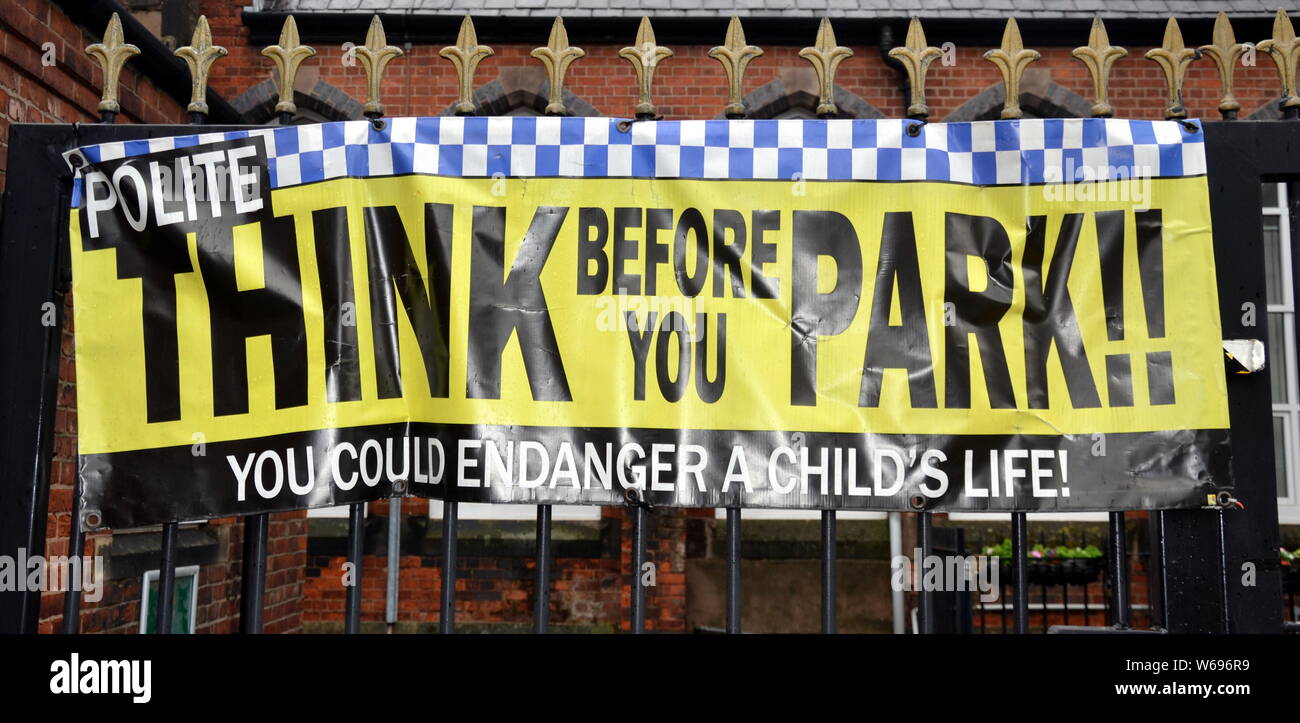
x=151, y=576
x=762, y=513
x=510, y=511
x=485, y=511
x=1288, y=505
x=332, y=512
x=1031, y=516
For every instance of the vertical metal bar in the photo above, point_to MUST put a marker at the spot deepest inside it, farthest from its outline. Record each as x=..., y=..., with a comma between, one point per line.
x=925, y=601
x=450, y=521
x=542, y=598
x=167, y=578
x=830, y=559
x=1002, y=602
x=1117, y=551
x=356, y=529
x=252, y=584
x=733, y=570
x=1223, y=571
x=979, y=545
x=1042, y=594
x=1042, y=588
x=1156, y=571
x=896, y=599
x=1020, y=571
x=638, y=561
x=1065, y=597
x=76, y=546
x=394, y=561
x=1087, y=607
x=963, y=607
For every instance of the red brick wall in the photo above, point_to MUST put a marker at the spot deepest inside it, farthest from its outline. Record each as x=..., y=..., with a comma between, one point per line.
x=692, y=85
x=68, y=91
x=584, y=591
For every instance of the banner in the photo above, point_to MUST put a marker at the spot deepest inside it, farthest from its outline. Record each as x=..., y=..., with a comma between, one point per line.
x=841, y=314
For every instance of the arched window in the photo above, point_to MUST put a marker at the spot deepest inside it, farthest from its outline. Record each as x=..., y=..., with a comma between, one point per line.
x=323, y=103
x=1040, y=97
x=522, y=91
x=1270, y=110
x=795, y=95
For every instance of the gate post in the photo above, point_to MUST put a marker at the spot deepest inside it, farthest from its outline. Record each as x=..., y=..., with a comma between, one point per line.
x=34, y=272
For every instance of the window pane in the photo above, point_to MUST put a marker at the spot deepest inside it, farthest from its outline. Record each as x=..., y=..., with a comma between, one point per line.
x=1279, y=453
x=1273, y=270
x=1278, y=353
x=1270, y=194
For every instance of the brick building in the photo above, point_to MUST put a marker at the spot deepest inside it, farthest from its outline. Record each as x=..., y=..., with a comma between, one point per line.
x=45, y=76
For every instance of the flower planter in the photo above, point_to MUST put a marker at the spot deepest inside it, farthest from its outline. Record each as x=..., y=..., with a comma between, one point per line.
x=1083, y=570
x=1057, y=571
x=1291, y=578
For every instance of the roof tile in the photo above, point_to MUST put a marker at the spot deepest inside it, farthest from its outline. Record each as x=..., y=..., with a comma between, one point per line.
x=798, y=8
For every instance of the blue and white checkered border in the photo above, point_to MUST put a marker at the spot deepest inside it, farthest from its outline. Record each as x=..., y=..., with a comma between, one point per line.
x=982, y=153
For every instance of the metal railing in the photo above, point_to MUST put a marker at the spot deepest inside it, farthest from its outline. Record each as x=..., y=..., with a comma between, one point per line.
x=915, y=57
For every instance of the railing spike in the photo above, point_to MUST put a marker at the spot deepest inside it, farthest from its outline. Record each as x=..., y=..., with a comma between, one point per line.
x=375, y=56
x=645, y=56
x=199, y=55
x=111, y=54
x=735, y=54
x=1099, y=57
x=1285, y=49
x=557, y=56
x=465, y=55
x=1011, y=60
x=1173, y=58
x=1225, y=51
x=916, y=57
x=288, y=54
x=825, y=56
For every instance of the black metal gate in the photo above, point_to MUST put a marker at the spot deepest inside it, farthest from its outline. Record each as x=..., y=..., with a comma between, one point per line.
x=1199, y=557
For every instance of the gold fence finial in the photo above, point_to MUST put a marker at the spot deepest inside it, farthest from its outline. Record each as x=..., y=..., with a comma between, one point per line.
x=1099, y=56
x=916, y=57
x=465, y=55
x=1224, y=52
x=112, y=54
x=1173, y=58
x=825, y=57
x=200, y=54
x=1012, y=59
x=1285, y=49
x=735, y=54
x=288, y=54
x=556, y=56
x=645, y=57
x=375, y=56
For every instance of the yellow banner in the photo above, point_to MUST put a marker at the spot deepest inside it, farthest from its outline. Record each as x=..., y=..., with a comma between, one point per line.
x=895, y=308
